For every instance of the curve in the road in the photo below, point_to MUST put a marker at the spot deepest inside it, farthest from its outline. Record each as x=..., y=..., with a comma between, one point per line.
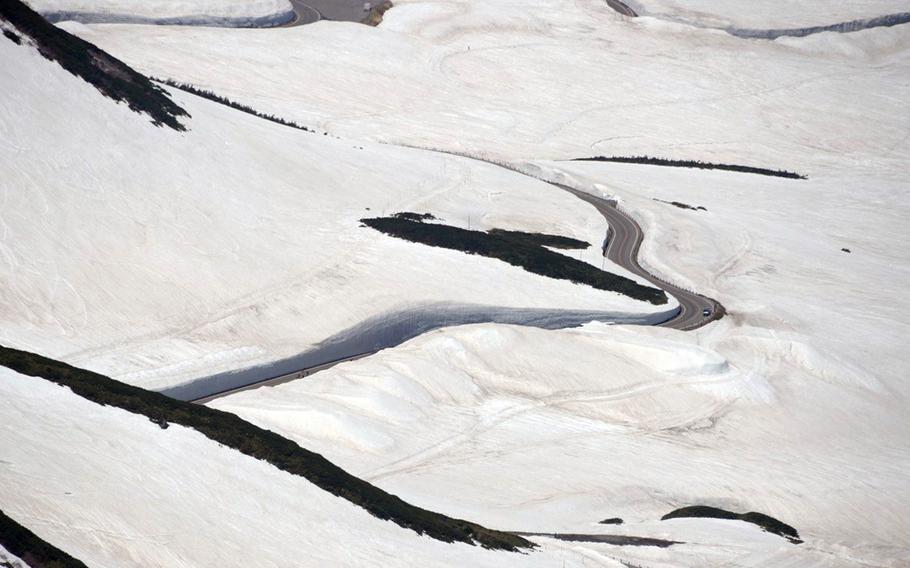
x=624, y=238
x=305, y=14
x=621, y=246
x=311, y=11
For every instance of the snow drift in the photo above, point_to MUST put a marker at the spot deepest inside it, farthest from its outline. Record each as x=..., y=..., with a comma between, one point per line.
x=227, y=13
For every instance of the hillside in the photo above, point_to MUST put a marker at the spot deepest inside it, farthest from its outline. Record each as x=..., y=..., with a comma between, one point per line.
x=365, y=250
x=239, y=241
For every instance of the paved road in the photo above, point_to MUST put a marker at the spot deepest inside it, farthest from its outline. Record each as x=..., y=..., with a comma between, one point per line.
x=306, y=14
x=309, y=11
x=614, y=539
x=274, y=381
x=623, y=242
x=624, y=238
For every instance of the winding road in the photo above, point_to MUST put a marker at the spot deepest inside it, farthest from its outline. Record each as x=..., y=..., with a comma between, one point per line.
x=621, y=245
x=306, y=14
x=624, y=239
x=310, y=11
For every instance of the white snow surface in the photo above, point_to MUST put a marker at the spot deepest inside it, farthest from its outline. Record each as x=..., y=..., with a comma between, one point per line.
x=197, y=12
x=158, y=257
x=555, y=430
x=111, y=488
x=517, y=79
x=794, y=405
x=10, y=560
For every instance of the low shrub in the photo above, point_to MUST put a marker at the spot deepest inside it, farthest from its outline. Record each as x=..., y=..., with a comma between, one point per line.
x=526, y=250
x=767, y=523
x=648, y=160
x=228, y=102
x=28, y=546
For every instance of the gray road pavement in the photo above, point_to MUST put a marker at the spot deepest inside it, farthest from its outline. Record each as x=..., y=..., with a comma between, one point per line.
x=309, y=11
x=623, y=243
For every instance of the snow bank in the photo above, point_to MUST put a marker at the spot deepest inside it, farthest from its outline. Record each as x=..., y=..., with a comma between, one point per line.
x=767, y=14
x=556, y=430
x=392, y=329
x=11, y=560
x=228, y=13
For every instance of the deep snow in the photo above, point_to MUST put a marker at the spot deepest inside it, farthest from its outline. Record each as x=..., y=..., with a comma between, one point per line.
x=113, y=489
x=793, y=405
x=238, y=243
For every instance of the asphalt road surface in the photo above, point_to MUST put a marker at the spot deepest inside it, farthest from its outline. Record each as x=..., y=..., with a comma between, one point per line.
x=280, y=379
x=623, y=241
x=624, y=238
x=309, y=11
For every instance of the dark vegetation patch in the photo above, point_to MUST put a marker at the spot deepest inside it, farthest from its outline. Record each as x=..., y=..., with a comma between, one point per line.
x=682, y=205
x=417, y=217
x=28, y=546
x=112, y=77
x=228, y=102
x=648, y=160
x=234, y=432
x=12, y=36
x=769, y=524
x=611, y=521
x=525, y=250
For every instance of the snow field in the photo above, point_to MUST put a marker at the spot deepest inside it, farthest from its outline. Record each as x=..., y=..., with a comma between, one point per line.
x=239, y=242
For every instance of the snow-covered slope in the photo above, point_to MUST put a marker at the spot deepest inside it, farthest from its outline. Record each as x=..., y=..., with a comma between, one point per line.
x=158, y=257
x=556, y=430
x=241, y=13
x=238, y=243
x=111, y=488
x=10, y=560
x=556, y=79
